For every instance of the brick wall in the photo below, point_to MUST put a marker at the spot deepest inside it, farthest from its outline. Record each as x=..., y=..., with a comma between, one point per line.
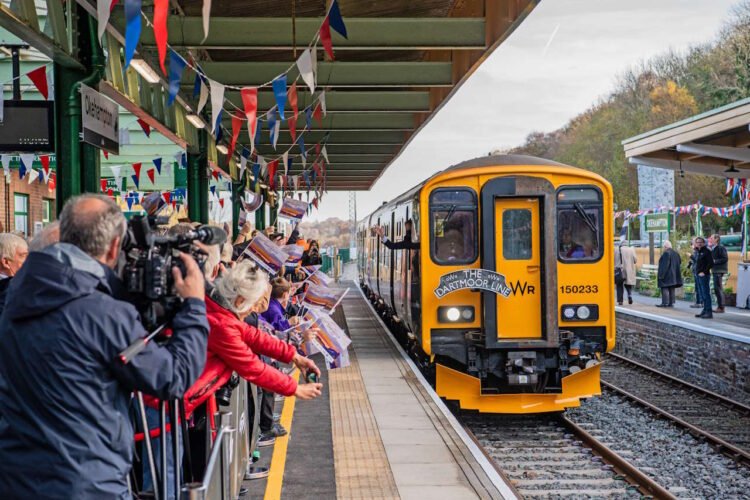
x=36, y=192
x=717, y=364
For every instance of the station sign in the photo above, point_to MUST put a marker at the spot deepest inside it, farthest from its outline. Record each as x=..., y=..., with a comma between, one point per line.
x=658, y=223
x=101, y=120
x=27, y=127
x=474, y=279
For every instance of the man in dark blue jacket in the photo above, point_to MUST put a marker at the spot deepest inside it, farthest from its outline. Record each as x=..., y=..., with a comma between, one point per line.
x=64, y=394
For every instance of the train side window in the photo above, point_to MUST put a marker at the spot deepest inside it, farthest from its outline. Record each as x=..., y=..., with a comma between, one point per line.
x=453, y=226
x=579, y=224
x=517, y=234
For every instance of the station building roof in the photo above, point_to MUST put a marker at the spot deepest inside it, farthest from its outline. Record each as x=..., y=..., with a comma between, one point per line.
x=714, y=143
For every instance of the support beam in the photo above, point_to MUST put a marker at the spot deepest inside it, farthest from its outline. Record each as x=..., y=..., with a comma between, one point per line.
x=690, y=167
x=370, y=33
x=725, y=152
x=336, y=74
x=348, y=101
x=349, y=121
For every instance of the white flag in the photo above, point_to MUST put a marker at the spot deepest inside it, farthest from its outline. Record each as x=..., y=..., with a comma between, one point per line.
x=206, y=11
x=124, y=137
x=6, y=164
x=217, y=103
x=28, y=160
x=243, y=165
x=33, y=174
x=322, y=100
x=167, y=169
x=325, y=154
x=103, y=8
x=203, y=98
x=296, y=182
x=305, y=66
x=285, y=159
x=276, y=130
x=118, y=177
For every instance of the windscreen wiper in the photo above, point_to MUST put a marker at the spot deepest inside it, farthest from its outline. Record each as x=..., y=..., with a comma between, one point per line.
x=586, y=218
x=450, y=214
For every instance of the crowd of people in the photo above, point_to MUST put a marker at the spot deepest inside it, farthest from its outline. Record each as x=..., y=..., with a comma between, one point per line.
x=707, y=263
x=67, y=397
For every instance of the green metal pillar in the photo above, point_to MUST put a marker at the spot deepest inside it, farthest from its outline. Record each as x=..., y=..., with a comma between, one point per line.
x=260, y=217
x=237, y=193
x=197, y=181
x=77, y=164
x=274, y=212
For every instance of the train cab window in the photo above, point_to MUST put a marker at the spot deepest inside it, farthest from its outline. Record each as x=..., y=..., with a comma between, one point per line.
x=579, y=224
x=453, y=226
x=517, y=234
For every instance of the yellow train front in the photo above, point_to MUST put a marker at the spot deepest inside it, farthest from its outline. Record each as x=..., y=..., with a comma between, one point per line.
x=503, y=288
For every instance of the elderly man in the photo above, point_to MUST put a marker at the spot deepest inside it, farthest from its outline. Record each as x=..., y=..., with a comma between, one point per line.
x=46, y=237
x=64, y=393
x=13, y=253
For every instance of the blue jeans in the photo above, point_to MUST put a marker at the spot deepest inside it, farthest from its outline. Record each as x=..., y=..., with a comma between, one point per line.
x=152, y=417
x=704, y=292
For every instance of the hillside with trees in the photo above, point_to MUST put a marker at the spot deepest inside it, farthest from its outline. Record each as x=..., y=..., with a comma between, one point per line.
x=660, y=91
x=329, y=232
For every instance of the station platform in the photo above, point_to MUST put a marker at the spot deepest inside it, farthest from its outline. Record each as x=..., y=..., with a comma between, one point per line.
x=734, y=324
x=378, y=431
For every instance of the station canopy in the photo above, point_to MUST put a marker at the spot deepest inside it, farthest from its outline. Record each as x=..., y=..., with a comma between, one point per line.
x=715, y=143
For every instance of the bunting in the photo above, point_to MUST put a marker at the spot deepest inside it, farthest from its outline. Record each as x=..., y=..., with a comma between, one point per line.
x=150, y=173
x=27, y=160
x=217, y=101
x=325, y=37
x=272, y=173
x=236, y=128
x=161, y=11
x=279, y=92
x=132, y=28
x=250, y=103
x=145, y=127
x=39, y=78
x=305, y=67
x=206, y=13
x=176, y=68
x=335, y=20
x=157, y=164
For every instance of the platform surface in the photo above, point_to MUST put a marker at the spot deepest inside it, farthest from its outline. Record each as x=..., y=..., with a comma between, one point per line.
x=376, y=433
x=734, y=324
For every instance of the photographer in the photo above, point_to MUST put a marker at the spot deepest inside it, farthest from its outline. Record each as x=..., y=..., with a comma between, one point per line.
x=311, y=256
x=64, y=392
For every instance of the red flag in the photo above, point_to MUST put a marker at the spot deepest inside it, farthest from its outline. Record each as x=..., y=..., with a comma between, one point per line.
x=215, y=174
x=236, y=127
x=325, y=37
x=317, y=150
x=221, y=202
x=150, y=172
x=110, y=193
x=103, y=183
x=167, y=196
x=145, y=126
x=112, y=7
x=272, y=173
x=292, y=120
x=250, y=102
x=137, y=170
x=315, y=202
x=45, y=164
x=106, y=154
x=161, y=11
x=318, y=114
x=52, y=184
x=292, y=98
x=39, y=79
x=317, y=169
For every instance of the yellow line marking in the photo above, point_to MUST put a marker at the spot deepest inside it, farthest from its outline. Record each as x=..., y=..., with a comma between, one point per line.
x=278, y=461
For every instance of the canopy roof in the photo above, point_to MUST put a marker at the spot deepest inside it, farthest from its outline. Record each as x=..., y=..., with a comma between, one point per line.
x=712, y=143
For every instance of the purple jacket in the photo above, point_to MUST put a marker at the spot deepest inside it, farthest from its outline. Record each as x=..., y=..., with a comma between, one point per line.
x=275, y=316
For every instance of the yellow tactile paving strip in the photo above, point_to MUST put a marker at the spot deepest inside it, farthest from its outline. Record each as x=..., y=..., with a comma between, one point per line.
x=362, y=468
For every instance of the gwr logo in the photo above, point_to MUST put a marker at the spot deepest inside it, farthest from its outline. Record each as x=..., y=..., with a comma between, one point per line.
x=517, y=287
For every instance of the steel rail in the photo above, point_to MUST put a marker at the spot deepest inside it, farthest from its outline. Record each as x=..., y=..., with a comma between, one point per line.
x=630, y=473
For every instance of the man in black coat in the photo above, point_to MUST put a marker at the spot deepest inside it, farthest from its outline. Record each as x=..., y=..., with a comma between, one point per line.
x=703, y=264
x=406, y=244
x=721, y=267
x=64, y=393
x=13, y=253
x=669, y=275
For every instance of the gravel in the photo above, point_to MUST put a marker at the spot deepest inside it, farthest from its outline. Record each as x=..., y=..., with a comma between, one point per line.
x=687, y=467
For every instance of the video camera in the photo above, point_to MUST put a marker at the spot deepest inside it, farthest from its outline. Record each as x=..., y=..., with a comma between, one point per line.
x=148, y=262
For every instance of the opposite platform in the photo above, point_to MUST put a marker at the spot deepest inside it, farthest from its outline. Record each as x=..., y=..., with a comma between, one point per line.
x=390, y=435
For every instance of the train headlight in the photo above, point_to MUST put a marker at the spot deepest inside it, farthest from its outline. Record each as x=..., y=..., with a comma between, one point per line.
x=583, y=312
x=456, y=314
x=569, y=312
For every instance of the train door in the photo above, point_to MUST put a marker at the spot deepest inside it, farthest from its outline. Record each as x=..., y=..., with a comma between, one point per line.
x=518, y=249
x=377, y=260
x=392, y=259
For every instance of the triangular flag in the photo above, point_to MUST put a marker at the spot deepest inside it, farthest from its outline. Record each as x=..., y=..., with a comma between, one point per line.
x=292, y=122
x=335, y=20
x=243, y=164
x=27, y=161
x=221, y=202
x=213, y=190
x=279, y=92
x=285, y=161
x=305, y=67
x=206, y=12
x=292, y=98
x=250, y=103
x=324, y=152
x=39, y=78
x=5, y=159
x=157, y=164
x=203, y=99
x=135, y=180
x=103, y=185
x=161, y=12
x=215, y=175
x=103, y=8
x=217, y=102
x=322, y=101
x=132, y=28
x=272, y=173
x=106, y=154
x=124, y=136
x=308, y=118
x=176, y=68
x=295, y=179
x=167, y=196
x=137, y=170
x=325, y=37
x=236, y=128
x=318, y=115
x=257, y=137
x=129, y=200
x=145, y=127
x=116, y=174
x=45, y=164
x=150, y=173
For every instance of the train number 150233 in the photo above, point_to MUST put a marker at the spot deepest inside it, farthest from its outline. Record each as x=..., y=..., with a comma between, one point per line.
x=579, y=289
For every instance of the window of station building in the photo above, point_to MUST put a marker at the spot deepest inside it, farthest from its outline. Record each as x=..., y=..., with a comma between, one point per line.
x=453, y=226
x=579, y=224
x=21, y=212
x=517, y=234
x=46, y=211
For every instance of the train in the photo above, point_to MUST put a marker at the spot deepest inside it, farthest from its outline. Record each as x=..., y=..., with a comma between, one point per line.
x=496, y=275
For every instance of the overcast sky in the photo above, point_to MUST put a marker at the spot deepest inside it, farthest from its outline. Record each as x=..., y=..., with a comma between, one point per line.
x=562, y=58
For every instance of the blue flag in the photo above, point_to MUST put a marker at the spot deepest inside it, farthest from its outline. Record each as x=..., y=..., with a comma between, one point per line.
x=135, y=180
x=279, y=92
x=132, y=28
x=271, y=124
x=212, y=189
x=157, y=164
x=176, y=67
x=256, y=173
x=183, y=160
x=257, y=132
x=308, y=118
x=335, y=21
x=129, y=200
x=301, y=143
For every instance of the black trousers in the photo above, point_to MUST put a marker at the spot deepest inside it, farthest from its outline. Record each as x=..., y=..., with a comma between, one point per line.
x=719, y=289
x=667, y=296
x=621, y=287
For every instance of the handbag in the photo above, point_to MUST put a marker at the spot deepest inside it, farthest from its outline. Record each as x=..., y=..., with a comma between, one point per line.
x=619, y=275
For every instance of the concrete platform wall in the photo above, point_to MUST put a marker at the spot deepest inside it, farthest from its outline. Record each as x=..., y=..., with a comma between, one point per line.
x=715, y=363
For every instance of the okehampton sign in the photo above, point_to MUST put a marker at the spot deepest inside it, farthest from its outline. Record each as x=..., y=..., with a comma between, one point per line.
x=658, y=223
x=475, y=279
x=100, y=117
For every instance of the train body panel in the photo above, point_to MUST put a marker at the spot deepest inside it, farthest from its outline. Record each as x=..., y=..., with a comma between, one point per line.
x=511, y=286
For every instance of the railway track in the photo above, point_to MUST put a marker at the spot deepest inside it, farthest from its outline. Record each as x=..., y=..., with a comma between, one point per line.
x=552, y=457
x=723, y=423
